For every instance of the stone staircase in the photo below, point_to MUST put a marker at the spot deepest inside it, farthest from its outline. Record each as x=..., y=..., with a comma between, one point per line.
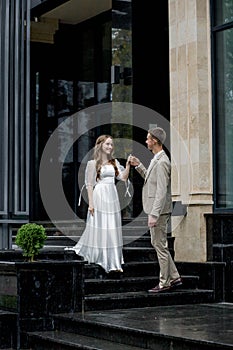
x=117, y=294
x=158, y=328
x=129, y=289
x=141, y=270
x=66, y=233
x=77, y=331
x=202, y=283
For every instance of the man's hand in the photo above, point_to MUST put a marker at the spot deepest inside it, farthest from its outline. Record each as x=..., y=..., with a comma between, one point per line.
x=134, y=160
x=152, y=220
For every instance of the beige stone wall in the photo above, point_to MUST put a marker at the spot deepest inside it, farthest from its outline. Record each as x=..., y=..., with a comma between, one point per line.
x=191, y=123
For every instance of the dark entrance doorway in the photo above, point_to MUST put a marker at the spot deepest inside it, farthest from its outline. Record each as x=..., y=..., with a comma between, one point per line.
x=75, y=72
x=67, y=76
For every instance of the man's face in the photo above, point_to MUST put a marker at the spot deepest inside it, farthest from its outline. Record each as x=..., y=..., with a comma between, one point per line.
x=150, y=142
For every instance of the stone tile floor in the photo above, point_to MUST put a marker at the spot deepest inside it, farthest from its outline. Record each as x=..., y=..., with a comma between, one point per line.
x=207, y=323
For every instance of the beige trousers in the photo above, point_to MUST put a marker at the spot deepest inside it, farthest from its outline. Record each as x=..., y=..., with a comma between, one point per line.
x=168, y=270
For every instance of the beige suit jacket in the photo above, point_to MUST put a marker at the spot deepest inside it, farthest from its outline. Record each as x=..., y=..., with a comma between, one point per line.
x=156, y=192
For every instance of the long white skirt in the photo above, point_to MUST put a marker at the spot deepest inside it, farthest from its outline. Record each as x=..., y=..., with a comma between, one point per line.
x=101, y=242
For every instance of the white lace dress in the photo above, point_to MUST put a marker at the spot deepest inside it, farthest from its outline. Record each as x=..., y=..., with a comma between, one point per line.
x=101, y=242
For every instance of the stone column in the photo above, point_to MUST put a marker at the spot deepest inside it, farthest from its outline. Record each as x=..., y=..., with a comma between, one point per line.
x=191, y=124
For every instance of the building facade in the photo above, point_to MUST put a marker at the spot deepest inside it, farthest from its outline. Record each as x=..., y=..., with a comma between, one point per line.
x=59, y=58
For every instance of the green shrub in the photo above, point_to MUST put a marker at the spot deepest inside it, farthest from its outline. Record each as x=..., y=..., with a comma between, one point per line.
x=31, y=238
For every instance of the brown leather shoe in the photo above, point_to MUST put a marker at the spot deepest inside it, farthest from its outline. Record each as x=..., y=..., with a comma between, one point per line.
x=177, y=282
x=159, y=289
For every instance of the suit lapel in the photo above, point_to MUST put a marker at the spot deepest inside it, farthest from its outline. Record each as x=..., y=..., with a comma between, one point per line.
x=153, y=162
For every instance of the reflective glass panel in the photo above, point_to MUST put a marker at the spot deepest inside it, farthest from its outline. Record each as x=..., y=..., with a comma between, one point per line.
x=224, y=119
x=223, y=11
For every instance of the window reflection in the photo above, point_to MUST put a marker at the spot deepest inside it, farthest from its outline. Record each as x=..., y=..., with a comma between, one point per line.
x=223, y=11
x=223, y=116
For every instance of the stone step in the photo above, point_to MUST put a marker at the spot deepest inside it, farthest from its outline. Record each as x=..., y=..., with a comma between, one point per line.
x=128, y=240
x=63, y=340
x=54, y=236
x=67, y=233
x=131, y=269
x=131, y=254
x=110, y=301
x=71, y=228
x=70, y=241
x=147, y=328
x=131, y=284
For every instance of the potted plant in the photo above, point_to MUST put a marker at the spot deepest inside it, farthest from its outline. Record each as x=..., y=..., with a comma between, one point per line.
x=31, y=238
x=28, y=288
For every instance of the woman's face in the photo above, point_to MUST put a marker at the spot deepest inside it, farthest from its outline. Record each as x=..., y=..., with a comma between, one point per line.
x=107, y=146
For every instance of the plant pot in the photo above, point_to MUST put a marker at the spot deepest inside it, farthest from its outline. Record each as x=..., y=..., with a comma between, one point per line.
x=37, y=290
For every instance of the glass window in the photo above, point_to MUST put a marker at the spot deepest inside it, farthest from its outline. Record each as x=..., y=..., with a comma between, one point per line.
x=223, y=104
x=223, y=12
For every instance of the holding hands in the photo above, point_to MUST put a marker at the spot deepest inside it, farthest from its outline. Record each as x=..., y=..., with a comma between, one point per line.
x=133, y=160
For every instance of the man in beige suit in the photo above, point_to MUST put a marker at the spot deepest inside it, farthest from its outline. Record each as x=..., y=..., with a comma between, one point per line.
x=156, y=200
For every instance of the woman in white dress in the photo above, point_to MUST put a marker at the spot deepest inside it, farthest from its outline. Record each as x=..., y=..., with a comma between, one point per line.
x=101, y=242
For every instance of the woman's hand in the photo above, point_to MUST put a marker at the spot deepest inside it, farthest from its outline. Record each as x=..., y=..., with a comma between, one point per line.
x=91, y=210
x=128, y=160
